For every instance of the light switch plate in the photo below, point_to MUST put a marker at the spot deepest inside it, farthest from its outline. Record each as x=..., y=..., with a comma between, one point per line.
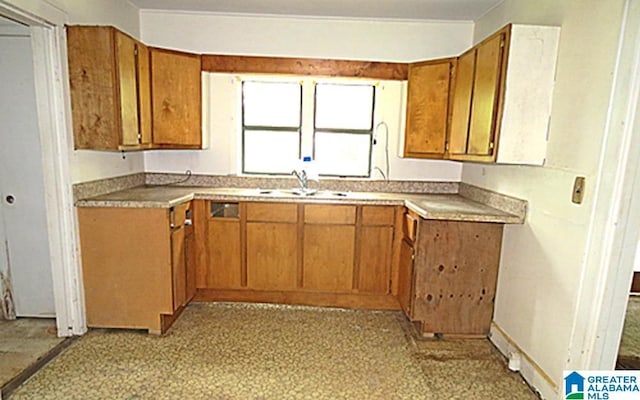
x=578, y=190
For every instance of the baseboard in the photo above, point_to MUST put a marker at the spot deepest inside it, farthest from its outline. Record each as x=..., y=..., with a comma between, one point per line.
x=535, y=376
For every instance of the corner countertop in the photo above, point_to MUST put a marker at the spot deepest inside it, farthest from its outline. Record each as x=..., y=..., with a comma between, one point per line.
x=452, y=207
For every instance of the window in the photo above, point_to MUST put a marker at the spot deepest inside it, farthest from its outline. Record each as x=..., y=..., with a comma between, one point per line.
x=343, y=129
x=271, y=126
x=284, y=121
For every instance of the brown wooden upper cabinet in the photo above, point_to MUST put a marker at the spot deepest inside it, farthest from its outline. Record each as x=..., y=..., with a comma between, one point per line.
x=428, y=97
x=502, y=97
x=110, y=76
x=110, y=95
x=176, y=99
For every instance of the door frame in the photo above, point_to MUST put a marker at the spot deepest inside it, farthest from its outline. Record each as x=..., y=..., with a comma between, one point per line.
x=615, y=221
x=53, y=108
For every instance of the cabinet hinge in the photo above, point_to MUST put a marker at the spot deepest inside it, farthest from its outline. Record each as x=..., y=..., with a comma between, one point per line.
x=135, y=50
x=139, y=137
x=502, y=42
x=491, y=145
x=446, y=146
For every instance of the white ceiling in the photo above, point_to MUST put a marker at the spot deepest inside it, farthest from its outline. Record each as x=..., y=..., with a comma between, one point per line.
x=449, y=10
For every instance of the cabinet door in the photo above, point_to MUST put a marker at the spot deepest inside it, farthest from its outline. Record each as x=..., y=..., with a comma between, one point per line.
x=224, y=266
x=485, y=96
x=328, y=257
x=374, y=259
x=405, y=278
x=179, y=268
x=190, y=261
x=93, y=87
x=126, y=60
x=427, y=109
x=272, y=256
x=144, y=93
x=461, y=105
x=176, y=99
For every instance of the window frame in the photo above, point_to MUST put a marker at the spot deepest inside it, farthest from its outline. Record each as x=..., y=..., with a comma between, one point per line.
x=244, y=127
x=369, y=131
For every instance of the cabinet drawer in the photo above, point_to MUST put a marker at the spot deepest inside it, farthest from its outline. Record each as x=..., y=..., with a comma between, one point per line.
x=272, y=212
x=329, y=214
x=410, y=225
x=378, y=215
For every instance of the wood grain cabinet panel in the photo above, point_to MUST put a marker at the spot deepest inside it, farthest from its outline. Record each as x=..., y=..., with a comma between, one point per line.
x=272, y=256
x=375, y=244
x=454, y=278
x=110, y=98
x=329, y=214
x=378, y=215
x=272, y=212
x=135, y=267
x=461, y=104
x=405, y=278
x=328, y=257
x=224, y=262
x=428, y=108
x=176, y=99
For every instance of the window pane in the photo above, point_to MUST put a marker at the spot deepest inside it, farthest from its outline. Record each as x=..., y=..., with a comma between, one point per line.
x=343, y=154
x=271, y=104
x=273, y=152
x=344, y=106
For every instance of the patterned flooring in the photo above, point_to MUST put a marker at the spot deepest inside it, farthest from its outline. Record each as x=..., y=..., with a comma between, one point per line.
x=225, y=351
x=23, y=342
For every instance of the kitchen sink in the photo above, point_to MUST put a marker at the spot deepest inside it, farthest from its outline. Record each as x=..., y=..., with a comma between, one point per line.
x=302, y=193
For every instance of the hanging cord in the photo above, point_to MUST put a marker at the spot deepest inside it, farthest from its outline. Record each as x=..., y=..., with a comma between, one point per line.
x=182, y=180
x=385, y=174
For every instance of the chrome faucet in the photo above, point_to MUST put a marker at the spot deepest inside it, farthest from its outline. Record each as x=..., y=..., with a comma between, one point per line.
x=302, y=179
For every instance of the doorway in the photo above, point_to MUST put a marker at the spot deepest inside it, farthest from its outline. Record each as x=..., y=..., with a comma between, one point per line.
x=27, y=320
x=25, y=269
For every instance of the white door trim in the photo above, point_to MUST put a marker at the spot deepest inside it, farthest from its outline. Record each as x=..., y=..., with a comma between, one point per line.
x=52, y=97
x=615, y=222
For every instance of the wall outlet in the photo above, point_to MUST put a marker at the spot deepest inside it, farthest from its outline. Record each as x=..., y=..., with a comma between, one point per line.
x=578, y=190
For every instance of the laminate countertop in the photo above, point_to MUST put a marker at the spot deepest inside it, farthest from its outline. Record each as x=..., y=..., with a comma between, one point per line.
x=453, y=207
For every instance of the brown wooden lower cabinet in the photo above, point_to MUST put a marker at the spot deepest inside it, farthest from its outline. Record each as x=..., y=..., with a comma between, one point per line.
x=272, y=256
x=317, y=254
x=224, y=264
x=136, y=266
x=447, y=278
x=375, y=248
x=328, y=254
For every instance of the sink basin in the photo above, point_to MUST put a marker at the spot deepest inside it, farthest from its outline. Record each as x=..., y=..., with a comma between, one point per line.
x=302, y=193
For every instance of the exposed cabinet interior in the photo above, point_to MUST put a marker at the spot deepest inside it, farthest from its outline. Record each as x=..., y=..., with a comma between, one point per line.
x=109, y=84
x=176, y=99
x=427, y=114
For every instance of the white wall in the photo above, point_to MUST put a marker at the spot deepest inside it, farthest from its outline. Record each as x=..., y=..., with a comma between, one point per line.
x=543, y=261
x=301, y=37
x=305, y=37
